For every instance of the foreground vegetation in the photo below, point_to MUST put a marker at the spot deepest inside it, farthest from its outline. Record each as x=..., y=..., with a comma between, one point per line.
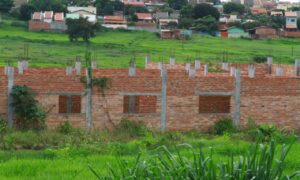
x=68, y=153
x=115, y=48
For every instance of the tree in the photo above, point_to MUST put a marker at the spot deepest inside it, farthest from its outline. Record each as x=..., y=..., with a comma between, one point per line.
x=186, y=22
x=81, y=28
x=203, y=9
x=25, y=11
x=6, y=5
x=28, y=112
x=232, y=7
x=49, y=5
x=187, y=12
x=206, y=24
x=177, y=4
x=108, y=9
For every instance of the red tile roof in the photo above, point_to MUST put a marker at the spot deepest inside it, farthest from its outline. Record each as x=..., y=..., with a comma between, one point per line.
x=59, y=16
x=115, y=19
x=134, y=3
x=144, y=16
x=291, y=14
x=37, y=16
x=48, y=15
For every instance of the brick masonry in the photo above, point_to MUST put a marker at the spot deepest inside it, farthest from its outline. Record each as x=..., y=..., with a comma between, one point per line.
x=265, y=98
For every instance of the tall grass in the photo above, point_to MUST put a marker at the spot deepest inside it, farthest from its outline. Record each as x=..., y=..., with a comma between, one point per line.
x=260, y=162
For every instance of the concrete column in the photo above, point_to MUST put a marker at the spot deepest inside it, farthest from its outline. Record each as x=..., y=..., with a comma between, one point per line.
x=278, y=71
x=20, y=67
x=205, y=72
x=69, y=70
x=25, y=64
x=78, y=67
x=297, y=67
x=197, y=64
x=94, y=64
x=5, y=70
x=10, y=84
x=132, y=70
x=159, y=65
x=232, y=71
x=225, y=66
x=163, y=115
x=88, y=104
x=147, y=60
x=187, y=67
x=251, y=71
x=269, y=63
x=237, y=98
x=192, y=72
x=172, y=60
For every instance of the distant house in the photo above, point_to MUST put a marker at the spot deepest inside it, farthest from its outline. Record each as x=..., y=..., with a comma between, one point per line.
x=37, y=16
x=48, y=16
x=47, y=21
x=115, y=22
x=89, y=12
x=161, y=15
x=170, y=34
x=153, y=4
x=235, y=32
x=276, y=13
x=263, y=32
x=144, y=17
x=59, y=17
x=165, y=23
x=291, y=21
x=258, y=10
x=230, y=19
x=134, y=3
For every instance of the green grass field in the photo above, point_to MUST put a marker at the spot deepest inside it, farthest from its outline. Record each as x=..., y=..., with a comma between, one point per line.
x=72, y=162
x=114, y=49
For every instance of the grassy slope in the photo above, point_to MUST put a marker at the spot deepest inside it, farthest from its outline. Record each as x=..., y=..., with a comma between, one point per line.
x=114, y=49
x=74, y=164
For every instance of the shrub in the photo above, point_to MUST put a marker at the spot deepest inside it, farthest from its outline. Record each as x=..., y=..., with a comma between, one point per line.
x=260, y=59
x=3, y=130
x=130, y=129
x=224, y=125
x=65, y=127
x=19, y=24
x=29, y=114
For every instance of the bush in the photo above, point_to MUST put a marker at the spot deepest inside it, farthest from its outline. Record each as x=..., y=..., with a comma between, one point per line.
x=224, y=125
x=65, y=128
x=267, y=132
x=19, y=24
x=130, y=129
x=260, y=59
x=29, y=114
x=3, y=130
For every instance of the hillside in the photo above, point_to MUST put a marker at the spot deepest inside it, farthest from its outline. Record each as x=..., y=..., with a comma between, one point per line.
x=115, y=48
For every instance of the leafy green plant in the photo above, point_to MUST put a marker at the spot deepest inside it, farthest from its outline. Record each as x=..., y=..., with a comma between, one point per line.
x=30, y=115
x=130, y=129
x=260, y=162
x=224, y=125
x=65, y=127
x=3, y=130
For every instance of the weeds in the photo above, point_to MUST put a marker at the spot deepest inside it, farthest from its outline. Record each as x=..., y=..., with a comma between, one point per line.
x=259, y=162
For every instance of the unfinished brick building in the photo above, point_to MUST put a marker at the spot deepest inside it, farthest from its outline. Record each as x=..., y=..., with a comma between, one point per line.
x=162, y=96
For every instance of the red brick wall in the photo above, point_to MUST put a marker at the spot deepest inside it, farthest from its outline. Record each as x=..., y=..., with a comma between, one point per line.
x=266, y=99
x=38, y=26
